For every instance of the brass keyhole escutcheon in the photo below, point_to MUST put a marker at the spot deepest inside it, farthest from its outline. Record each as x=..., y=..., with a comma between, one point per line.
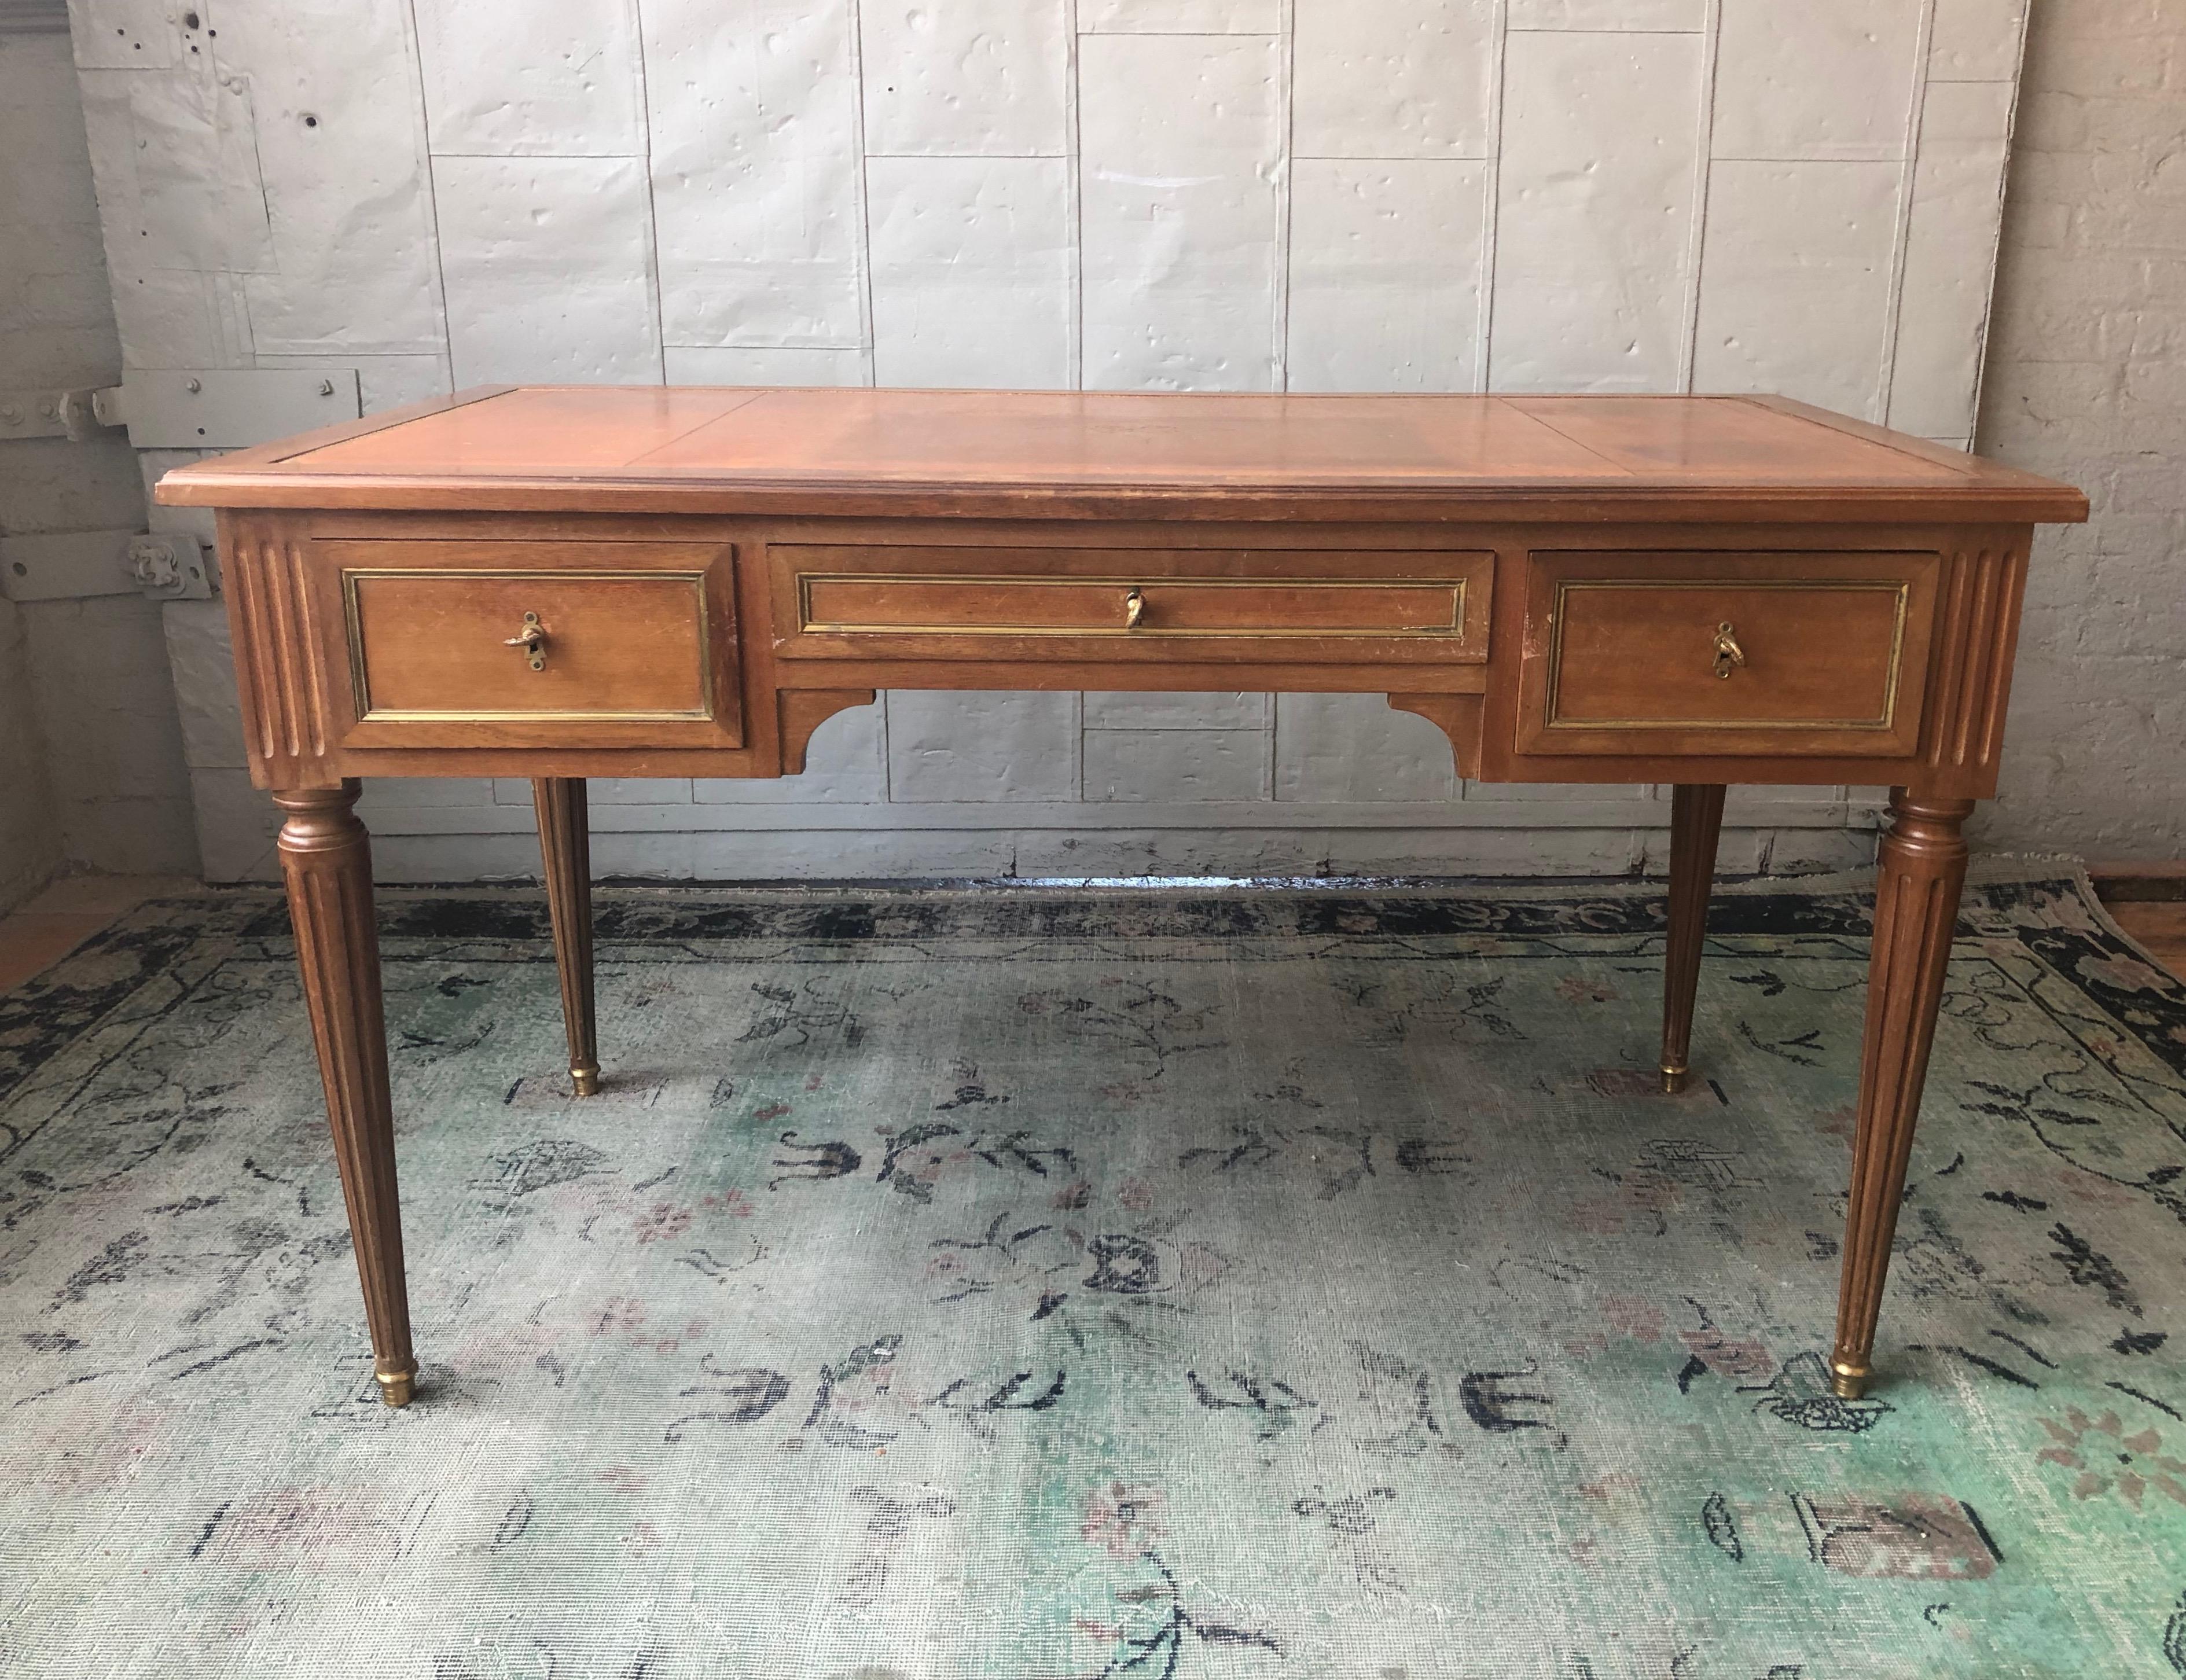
x=1134, y=606
x=1729, y=655
x=532, y=638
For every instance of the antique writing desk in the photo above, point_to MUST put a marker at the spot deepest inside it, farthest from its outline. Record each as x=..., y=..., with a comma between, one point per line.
x=566, y=582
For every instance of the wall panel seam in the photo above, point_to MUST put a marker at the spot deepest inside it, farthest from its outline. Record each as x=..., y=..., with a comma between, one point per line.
x=1703, y=174
x=1902, y=239
x=864, y=189
x=1074, y=210
x=1491, y=213
x=1996, y=230
x=1286, y=112
x=652, y=211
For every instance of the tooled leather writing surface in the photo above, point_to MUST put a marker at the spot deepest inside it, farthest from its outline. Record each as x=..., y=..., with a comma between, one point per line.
x=619, y=436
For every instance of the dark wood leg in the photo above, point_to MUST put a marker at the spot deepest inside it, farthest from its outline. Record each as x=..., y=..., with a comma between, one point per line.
x=1923, y=865
x=326, y=858
x=565, y=848
x=1696, y=821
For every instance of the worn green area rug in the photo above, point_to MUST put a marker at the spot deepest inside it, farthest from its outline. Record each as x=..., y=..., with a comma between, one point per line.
x=1018, y=1284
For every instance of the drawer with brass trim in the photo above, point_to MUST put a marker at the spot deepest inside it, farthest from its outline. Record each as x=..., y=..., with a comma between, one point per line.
x=537, y=643
x=1736, y=654
x=875, y=602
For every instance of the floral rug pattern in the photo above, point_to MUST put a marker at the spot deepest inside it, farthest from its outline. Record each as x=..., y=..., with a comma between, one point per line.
x=1098, y=1285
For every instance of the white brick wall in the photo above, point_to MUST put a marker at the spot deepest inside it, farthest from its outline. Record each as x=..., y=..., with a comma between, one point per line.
x=1249, y=195
x=2087, y=380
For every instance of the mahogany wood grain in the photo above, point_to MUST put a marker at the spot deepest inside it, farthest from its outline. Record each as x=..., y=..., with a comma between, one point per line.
x=1624, y=653
x=1167, y=607
x=565, y=856
x=608, y=646
x=1045, y=603
x=1951, y=743
x=1922, y=866
x=326, y=860
x=1149, y=675
x=637, y=642
x=715, y=573
x=1804, y=658
x=1695, y=825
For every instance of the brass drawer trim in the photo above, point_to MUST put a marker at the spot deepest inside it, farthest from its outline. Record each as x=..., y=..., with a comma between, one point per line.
x=360, y=684
x=1901, y=589
x=1453, y=631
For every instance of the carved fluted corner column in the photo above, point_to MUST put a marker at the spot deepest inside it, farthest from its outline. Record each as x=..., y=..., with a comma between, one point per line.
x=326, y=858
x=1922, y=868
x=565, y=852
x=1696, y=824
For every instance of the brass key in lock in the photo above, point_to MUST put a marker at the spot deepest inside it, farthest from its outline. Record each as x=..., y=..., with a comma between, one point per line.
x=1729, y=655
x=532, y=640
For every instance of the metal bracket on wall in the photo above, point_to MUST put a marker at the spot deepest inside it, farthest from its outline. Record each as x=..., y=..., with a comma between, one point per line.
x=168, y=566
x=227, y=408
x=70, y=414
x=75, y=565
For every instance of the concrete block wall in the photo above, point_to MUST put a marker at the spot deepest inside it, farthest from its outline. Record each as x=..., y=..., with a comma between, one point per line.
x=30, y=836
x=2087, y=380
x=91, y=771
x=1234, y=194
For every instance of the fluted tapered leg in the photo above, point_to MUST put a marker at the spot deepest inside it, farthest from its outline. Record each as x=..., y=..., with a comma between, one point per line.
x=1696, y=821
x=326, y=858
x=1923, y=865
x=565, y=850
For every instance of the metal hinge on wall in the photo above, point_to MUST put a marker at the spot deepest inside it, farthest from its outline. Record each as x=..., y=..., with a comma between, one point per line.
x=163, y=408
x=190, y=408
x=227, y=408
x=73, y=565
x=71, y=414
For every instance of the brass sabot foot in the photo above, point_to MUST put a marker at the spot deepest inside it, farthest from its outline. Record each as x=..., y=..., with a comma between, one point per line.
x=585, y=1082
x=397, y=1387
x=1673, y=1079
x=1847, y=1380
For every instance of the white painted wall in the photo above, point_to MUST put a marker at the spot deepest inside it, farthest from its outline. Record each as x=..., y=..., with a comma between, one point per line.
x=1245, y=194
x=92, y=775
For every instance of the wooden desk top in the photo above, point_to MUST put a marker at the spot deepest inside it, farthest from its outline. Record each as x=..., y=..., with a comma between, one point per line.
x=696, y=450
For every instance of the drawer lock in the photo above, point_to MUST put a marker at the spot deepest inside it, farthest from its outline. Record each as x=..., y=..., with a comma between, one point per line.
x=1134, y=606
x=1729, y=655
x=532, y=638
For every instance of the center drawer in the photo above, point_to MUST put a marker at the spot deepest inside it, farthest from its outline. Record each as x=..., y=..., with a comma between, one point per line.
x=1304, y=606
